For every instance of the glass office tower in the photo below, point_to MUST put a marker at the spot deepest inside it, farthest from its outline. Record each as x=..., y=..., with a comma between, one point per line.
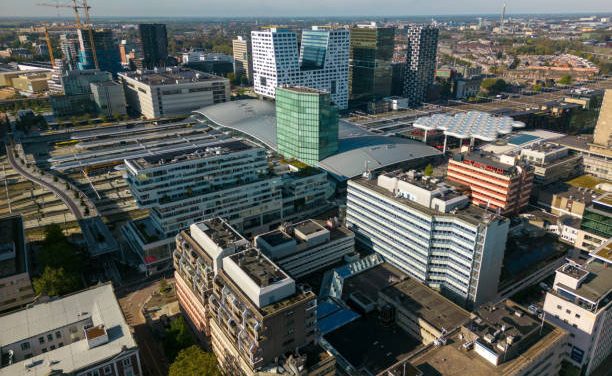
x=306, y=124
x=107, y=51
x=154, y=45
x=371, y=55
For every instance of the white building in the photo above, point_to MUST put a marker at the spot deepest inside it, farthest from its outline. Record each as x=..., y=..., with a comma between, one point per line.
x=305, y=247
x=581, y=303
x=430, y=232
x=173, y=91
x=80, y=334
x=199, y=55
x=320, y=62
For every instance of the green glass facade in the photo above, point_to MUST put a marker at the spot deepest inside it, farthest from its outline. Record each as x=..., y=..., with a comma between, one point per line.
x=597, y=219
x=306, y=124
x=314, y=49
x=371, y=55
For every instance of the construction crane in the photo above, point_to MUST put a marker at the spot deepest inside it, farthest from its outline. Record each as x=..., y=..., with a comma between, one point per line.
x=76, y=6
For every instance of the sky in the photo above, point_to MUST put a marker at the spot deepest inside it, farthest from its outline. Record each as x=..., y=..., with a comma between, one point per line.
x=305, y=8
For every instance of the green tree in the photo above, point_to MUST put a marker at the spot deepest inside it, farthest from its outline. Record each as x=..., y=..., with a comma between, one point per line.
x=56, y=281
x=493, y=85
x=176, y=338
x=565, y=80
x=428, y=170
x=192, y=361
x=57, y=252
x=537, y=88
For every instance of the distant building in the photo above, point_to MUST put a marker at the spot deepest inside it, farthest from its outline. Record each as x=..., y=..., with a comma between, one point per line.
x=306, y=124
x=493, y=184
x=84, y=333
x=420, y=62
x=32, y=83
x=15, y=284
x=173, y=91
x=431, y=232
x=109, y=98
x=466, y=87
x=320, y=61
x=106, y=50
x=552, y=163
x=154, y=45
x=69, y=44
x=371, y=56
x=78, y=82
x=580, y=303
x=70, y=105
x=243, y=58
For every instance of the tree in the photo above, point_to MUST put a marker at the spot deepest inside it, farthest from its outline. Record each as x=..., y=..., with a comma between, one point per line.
x=192, y=361
x=537, y=88
x=565, y=80
x=176, y=338
x=57, y=252
x=493, y=85
x=56, y=281
x=429, y=170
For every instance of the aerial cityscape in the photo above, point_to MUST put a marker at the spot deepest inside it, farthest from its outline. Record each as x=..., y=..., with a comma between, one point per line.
x=260, y=188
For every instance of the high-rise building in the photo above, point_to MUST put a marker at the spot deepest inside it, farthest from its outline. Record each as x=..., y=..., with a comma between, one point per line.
x=580, y=303
x=259, y=319
x=431, y=232
x=602, y=136
x=420, y=62
x=109, y=98
x=371, y=56
x=306, y=124
x=154, y=45
x=69, y=44
x=494, y=184
x=107, y=51
x=243, y=59
x=320, y=61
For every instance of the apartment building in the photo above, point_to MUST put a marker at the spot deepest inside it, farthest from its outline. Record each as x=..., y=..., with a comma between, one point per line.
x=420, y=62
x=259, y=320
x=81, y=334
x=320, y=61
x=308, y=246
x=243, y=58
x=498, y=185
x=429, y=231
x=172, y=91
x=15, y=284
x=581, y=303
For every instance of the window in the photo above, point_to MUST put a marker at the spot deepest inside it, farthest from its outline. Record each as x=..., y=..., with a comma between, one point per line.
x=49, y=337
x=568, y=311
x=41, y=340
x=60, y=344
x=25, y=346
x=558, y=307
x=44, y=349
x=52, y=347
x=577, y=316
x=58, y=334
x=127, y=362
x=108, y=370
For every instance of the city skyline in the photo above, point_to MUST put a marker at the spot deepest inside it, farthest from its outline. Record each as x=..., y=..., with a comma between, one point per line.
x=275, y=8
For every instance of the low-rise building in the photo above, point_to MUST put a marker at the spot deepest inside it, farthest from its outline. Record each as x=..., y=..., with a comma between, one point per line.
x=173, y=91
x=32, y=83
x=552, y=163
x=596, y=225
x=15, y=284
x=80, y=334
x=564, y=199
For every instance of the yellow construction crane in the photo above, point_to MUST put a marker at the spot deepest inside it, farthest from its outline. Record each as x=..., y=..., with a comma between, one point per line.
x=75, y=6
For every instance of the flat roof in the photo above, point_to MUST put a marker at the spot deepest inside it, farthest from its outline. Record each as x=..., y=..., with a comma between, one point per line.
x=604, y=252
x=97, y=303
x=171, y=76
x=220, y=231
x=427, y=304
x=258, y=267
x=257, y=120
x=597, y=284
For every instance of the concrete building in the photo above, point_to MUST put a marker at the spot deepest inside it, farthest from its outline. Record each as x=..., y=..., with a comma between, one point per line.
x=420, y=62
x=306, y=124
x=552, y=163
x=243, y=58
x=563, y=199
x=32, y=83
x=370, y=59
x=596, y=224
x=501, y=339
x=602, y=136
x=15, y=284
x=430, y=232
x=466, y=87
x=153, y=45
x=173, y=91
x=80, y=334
x=109, y=98
x=580, y=302
x=77, y=82
x=306, y=247
x=493, y=184
x=258, y=318
x=320, y=61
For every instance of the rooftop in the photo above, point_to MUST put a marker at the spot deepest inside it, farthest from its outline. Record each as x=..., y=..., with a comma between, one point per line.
x=13, y=258
x=97, y=304
x=604, y=252
x=220, y=232
x=171, y=76
x=303, y=89
x=597, y=285
x=486, y=159
x=427, y=304
x=258, y=267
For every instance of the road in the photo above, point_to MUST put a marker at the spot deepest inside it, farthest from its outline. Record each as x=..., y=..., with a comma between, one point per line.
x=69, y=201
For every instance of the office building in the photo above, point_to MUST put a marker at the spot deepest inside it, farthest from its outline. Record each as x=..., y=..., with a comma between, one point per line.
x=602, y=136
x=320, y=61
x=70, y=105
x=580, y=302
x=501, y=339
x=106, y=50
x=228, y=178
x=76, y=86
x=84, y=333
x=551, y=163
x=306, y=124
x=420, y=62
x=172, y=91
x=371, y=57
x=243, y=58
x=431, y=232
x=15, y=284
x=596, y=224
x=77, y=82
x=258, y=318
x=69, y=44
x=109, y=98
x=493, y=184
x=306, y=247
x=153, y=45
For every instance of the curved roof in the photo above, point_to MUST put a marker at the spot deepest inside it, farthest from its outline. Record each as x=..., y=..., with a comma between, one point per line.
x=256, y=119
x=472, y=124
